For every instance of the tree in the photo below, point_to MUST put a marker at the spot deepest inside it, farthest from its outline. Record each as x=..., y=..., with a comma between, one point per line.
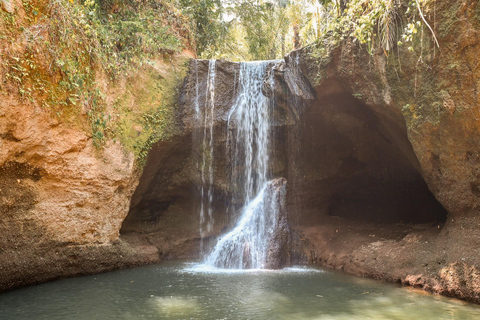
x=251, y=30
x=210, y=28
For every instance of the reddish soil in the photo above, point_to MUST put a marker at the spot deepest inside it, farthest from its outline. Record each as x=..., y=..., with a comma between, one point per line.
x=418, y=255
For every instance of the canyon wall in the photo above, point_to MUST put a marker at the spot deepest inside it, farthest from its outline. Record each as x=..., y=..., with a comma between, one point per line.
x=62, y=201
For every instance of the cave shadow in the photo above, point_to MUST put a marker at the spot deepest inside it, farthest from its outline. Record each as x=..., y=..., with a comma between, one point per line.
x=349, y=162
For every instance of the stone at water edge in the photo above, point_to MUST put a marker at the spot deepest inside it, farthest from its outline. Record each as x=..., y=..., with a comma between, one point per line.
x=279, y=251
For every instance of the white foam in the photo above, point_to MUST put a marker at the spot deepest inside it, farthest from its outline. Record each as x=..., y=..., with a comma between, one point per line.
x=209, y=269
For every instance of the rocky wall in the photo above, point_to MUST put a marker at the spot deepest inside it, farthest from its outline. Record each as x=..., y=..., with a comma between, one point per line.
x=413, y=115
x=62, y=201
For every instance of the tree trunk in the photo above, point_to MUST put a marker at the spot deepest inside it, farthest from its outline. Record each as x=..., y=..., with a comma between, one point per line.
x=296, y=37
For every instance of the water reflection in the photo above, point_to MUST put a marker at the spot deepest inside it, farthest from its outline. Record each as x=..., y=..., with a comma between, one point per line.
x=179, y=291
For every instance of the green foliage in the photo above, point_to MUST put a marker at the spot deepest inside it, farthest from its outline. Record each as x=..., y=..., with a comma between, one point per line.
x=54, y=57
x=357, y=96
x=375, y=24
x=266, y=25
x=210, y=28
x=8, y=24
x=326, y=2
x=128, y=32
x=250, y=30
x=388, y=22
x=100, y=121
x=366, y=20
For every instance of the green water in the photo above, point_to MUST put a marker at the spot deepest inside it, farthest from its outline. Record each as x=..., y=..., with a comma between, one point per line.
x=184, y=291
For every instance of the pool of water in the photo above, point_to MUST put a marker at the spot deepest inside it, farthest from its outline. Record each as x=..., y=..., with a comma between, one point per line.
x=187, y=291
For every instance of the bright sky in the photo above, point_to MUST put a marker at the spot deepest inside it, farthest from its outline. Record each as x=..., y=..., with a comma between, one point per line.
x=311, y=5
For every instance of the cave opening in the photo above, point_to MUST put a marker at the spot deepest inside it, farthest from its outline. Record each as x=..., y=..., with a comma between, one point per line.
x=354, y=164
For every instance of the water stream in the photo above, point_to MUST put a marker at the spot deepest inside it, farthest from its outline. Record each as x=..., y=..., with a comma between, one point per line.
x=248, y=139
x=247, y=245
x=249, y=130
x=206, y=210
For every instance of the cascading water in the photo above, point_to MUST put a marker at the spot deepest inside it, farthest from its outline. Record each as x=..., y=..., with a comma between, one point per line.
x=206, y=210
x=249, y=123
x=247, y=244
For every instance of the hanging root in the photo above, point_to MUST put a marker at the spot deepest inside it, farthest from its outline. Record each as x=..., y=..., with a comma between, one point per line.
x=423, y=18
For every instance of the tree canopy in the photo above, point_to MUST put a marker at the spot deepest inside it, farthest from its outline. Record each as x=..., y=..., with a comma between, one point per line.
x=269, y=29
x=252, y=30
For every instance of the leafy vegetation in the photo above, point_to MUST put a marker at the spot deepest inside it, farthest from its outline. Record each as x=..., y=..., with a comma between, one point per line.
x=128, y=32
x=207, y=22
x=56, y=53
x=252, y=30
x=377, y=24
x=255, y=30
x=145, y=111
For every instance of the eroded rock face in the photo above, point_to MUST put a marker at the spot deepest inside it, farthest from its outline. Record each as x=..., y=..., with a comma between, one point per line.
x=58, y=193
x=8, y=5
x=59, y=168
x=165, y=207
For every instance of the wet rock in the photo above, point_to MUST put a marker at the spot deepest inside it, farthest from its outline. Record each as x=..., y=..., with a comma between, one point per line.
x=279, y=248
x=264, y=227
x=166, y=204
x=194, y=91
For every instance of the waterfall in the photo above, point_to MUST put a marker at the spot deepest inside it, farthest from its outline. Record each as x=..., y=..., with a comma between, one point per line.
x=248, y=244
x=249, y=122
x=206, y=168
x=251, y=244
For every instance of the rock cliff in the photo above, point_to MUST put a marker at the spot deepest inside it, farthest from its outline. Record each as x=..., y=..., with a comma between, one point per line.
x=62, y=201
x=71, y=143
x=386, y=172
